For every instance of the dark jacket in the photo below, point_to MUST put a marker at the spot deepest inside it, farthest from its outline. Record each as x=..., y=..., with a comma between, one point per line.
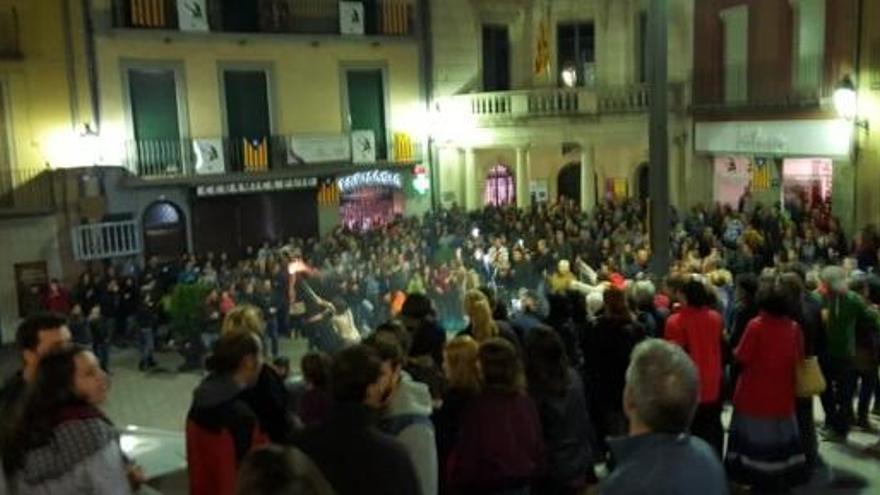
x=499, y=445
x=608, y=356
x=568, y=436
x=447, y=422
x=268, y=399
x=428, y=340
x=11, y=396
x=663, y=464
x=355, y=457
x=220, y=430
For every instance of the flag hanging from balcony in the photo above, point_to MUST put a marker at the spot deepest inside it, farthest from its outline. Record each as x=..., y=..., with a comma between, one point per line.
x=403, y=147
x=328, y=193
x=395, y=17
x=192, y=15
x=761, y=175
x=148, y=13
x=542, y=53
x=256, y=155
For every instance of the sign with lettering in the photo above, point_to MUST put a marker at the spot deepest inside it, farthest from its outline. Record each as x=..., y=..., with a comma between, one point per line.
x=371, y=178
x=256, y=186
x=828, y=138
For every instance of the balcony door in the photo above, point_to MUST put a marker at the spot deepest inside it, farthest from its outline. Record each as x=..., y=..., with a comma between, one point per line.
x=576, y=48
x=496, y=58
x=155, y=119
x=248, y=122
x=365, y=89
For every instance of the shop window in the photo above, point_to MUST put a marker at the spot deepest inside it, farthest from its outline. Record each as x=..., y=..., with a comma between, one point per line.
x=500, y=187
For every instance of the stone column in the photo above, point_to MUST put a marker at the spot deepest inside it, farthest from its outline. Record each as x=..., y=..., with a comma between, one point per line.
x=588, y=181
x=523, y=178
x=471, y=196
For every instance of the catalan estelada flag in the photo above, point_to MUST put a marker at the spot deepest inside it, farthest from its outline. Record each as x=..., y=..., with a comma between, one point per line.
x=256, y=155
x=761, y=176
x=148, y=13
x=328, y=193
x=395, y=17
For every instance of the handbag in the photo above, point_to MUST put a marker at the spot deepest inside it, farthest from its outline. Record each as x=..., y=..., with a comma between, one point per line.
x=809, y=380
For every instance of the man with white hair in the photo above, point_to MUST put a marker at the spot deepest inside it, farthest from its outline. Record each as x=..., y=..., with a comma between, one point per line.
x=659, y=456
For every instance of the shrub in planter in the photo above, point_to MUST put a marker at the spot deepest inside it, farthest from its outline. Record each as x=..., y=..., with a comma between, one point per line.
x=186, y=308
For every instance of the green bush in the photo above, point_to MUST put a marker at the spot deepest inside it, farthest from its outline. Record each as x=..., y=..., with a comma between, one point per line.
x=186, y=309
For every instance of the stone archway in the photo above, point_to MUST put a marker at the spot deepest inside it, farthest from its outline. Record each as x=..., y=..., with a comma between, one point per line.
x=164, y=231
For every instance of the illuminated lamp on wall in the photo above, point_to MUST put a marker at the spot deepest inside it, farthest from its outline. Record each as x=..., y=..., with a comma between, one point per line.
x=421, y=182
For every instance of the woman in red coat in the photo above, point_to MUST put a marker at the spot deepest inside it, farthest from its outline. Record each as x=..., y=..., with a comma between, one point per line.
x=221, y=428
x=764, y=448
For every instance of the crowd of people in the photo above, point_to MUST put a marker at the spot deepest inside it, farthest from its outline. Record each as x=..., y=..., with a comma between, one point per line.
x=502, y=351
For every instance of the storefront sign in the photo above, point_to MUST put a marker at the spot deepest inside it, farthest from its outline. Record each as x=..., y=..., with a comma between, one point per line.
x=372, y=178
x=248, y=187
x=791, y=137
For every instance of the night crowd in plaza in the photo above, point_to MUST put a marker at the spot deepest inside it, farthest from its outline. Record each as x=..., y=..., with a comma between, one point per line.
x=504, y=351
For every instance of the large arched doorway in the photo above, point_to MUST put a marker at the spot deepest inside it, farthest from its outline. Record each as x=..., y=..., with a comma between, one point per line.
x=568, y=182
x=644, y=181
x=164, y=231
x=500, y=187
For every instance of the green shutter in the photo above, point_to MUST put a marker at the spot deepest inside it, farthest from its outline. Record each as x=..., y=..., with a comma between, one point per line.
x=366, y=105
x=247, y=104
x=154, y=104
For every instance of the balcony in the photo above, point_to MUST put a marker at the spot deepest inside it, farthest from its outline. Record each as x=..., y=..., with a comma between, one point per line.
x=205, y=157
x=378, y=18
x=10, y=47
x=104, y=240
x=763, y=87
x=489, y=109
x=26, y=191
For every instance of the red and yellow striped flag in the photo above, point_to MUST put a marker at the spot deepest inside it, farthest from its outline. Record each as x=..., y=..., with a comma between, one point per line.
x=328, y=193
x=542, y=54
x=761, y=177
x=256, y=155
x=395, y=17
x=148, y=13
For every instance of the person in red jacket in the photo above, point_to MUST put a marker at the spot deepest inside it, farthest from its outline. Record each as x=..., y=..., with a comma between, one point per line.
x=57, y=298
x=221, y=428
x=764, y=448
x=699, y=330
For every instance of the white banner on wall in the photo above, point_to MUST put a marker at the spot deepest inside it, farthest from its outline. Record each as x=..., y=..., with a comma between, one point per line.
x=192, y=15
x=318, y=149
x=363, y=146
x=209, y=156
x=351, y=17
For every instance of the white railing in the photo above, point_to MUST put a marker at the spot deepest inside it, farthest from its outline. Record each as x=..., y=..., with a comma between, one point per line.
x=106, y=240
x=492, y=107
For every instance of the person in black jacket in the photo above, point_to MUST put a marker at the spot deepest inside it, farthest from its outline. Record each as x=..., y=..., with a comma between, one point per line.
x=355, y=457
x=146, y=318
x=268, y=398
x=558, y=393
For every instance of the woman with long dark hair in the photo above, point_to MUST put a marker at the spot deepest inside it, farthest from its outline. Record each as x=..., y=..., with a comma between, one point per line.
x=59, y=441
x=558, y=393
x=615, y=334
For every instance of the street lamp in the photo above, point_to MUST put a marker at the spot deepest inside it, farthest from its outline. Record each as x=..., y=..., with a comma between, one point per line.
x=569, y=76
x=846, y=102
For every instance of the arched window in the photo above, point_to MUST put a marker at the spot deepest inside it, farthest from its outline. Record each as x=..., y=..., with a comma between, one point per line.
x=500, y=187
x=164, y=231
